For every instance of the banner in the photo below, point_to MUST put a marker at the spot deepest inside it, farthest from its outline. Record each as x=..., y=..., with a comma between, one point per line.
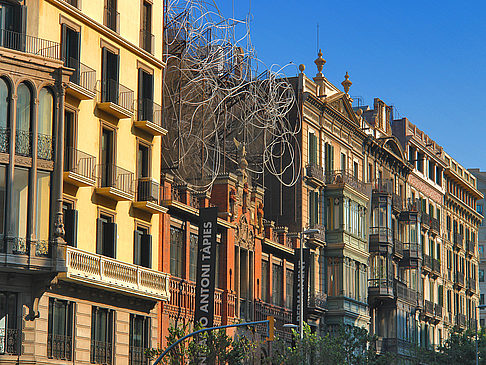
x=297, y=296
x=206, y=266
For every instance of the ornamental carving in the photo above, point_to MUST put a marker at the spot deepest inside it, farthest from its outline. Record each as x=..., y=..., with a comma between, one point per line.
x=244, y=235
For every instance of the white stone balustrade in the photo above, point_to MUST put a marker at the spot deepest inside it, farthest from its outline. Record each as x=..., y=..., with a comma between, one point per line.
x=102, y=271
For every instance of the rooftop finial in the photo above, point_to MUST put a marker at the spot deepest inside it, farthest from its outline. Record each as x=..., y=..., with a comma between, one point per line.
x=320, y=62
x=301, y=67
x=346, y=83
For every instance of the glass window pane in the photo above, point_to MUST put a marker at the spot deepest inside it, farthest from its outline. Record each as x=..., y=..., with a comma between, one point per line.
x=46, y=107
x=20, y=202
x=3, y=195
x=23, y=108
x=42, y=205
x=4, y=104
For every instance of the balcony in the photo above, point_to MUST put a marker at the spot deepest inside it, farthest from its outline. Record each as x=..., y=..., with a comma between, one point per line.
x=436, y=270
x=410, y=255
x=314, y=174
x=318, y=239
x=4, y=140
x=104, y=272
x=381, y=239
x=79, y=168
x=438, y=311
x=112, y=19
x=147, y=41
x=397, y=203
x=149, y=117
x=282, y=316
x=45, y=147
x=23, y=143
x=317, y=304
x=11, y=343
x=398, y=346
x=458, y=240
x=59, y=347
x=459, y=279
x=425, y=220
x=342, y=178
x=28, y=44
x=380, y=289
x=427, y=264
x=405, y=293
x=82, y=82
x=397, y=248
x=114, y=182
x=471, y=286
x=116, y=99
x=184, y=195
x=428, y=308
x=434, y=226
x=471, y=248
x=148, y=196
x=461, y=320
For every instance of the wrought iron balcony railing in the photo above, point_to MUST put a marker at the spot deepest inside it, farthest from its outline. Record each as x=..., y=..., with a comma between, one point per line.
x=83, y=75
x=459, y=278
x=315, y=171
x=45, y=146
x=317, y=299
x=458, y=239
x=150, y=111
x=137, y=356
x=435, y=225
x=397, y=202
x=28, y=44
x=11, y=341
x=343, y=177
x=114, y=176
x=471, y=247
x=148, y=190
x=461, y=320
x=429, y=307
x=101, y=352
x=59, y=347
x=80, y=163
x=114, y=92
x=4, y=140
x=438, y=310
x=425, y=219
x=147, y=41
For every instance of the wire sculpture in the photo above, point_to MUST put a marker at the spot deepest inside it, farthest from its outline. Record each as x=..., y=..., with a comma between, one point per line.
x=215, y=98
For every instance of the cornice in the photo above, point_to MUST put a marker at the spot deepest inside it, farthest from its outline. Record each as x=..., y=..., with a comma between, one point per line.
x=108, y=33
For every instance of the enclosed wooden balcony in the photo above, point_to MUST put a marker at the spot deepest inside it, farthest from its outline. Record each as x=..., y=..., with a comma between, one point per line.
x=411, y=255
x=380, y=289
x=381, y=239
x=79, y=168
x=95, y=270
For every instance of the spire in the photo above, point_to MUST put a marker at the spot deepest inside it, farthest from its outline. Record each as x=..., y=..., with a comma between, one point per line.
x=346, y=83
x=319, y=63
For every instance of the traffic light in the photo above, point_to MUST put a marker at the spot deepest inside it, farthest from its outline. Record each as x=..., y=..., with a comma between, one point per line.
x=271, y=328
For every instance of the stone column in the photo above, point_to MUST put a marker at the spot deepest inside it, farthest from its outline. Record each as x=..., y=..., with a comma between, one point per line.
x=10, y=235
x=31, y=215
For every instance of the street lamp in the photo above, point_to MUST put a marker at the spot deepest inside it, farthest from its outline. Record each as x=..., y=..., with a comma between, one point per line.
x=481, y=306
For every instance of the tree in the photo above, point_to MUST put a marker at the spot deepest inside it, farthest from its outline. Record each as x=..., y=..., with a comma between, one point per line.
x=216, y=347
x=344, y=345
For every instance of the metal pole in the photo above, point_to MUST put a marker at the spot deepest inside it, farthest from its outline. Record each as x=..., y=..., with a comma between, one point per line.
x=301, y=268
x=477, y=346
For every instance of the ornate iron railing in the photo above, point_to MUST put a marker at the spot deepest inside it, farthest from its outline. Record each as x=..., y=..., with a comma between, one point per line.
x=459, y=278
x=461, y=320
x=59, y=347
x=458, y=239
x=28, y=44
x=114, y=92
x=321, y=235
x=317, y=299
x=4, y=140
x=23, y=143
x=438, y=310
x=45, y=146
x=137, y=356
x=435, y=225
x=282, y=316
x=405, y=293
x=341, y=177
x=101, y=352
x=11, y=342
x=115, y=177
x=429, y=307
x=83, y=75
x=80, y=163
x=315, y=171
x=425, y=219
x=397, y=202
x=427, y=262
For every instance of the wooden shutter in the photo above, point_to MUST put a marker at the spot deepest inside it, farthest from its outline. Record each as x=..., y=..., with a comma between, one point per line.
x=137, y=238
x=104, y=74
x=146, y=250
x=99, y=236
x=140, y=96
x=109, y=237
x=316, y=207
x=64, y=44
x=71, y=226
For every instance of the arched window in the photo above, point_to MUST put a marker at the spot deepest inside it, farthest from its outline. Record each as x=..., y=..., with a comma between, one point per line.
x=45, y=120
x=4, y=115
x=22, y=137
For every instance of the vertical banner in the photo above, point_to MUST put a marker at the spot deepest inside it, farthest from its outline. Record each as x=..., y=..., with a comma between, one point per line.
x=297, y=294
x=206, y=266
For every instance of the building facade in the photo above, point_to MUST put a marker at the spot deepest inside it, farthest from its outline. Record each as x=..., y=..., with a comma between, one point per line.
x=81, y=137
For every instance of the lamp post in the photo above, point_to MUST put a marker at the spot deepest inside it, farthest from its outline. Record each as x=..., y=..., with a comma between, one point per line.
x=481, y=306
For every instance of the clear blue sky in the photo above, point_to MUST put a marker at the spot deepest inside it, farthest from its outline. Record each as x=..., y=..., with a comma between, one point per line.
x=428, y=58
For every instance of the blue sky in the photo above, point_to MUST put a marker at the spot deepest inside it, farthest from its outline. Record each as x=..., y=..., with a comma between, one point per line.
x=426, y=58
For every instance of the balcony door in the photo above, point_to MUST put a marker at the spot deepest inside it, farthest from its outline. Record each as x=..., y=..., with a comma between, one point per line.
x=107, y=163
x=12, y=25
x=69, y=153
x=145, y=95
x=71, y=44
x=110, y=75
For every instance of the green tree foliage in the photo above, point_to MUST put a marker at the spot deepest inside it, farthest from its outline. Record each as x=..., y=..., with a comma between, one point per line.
x=345, y=345
x=459, y=348
x=216, y=347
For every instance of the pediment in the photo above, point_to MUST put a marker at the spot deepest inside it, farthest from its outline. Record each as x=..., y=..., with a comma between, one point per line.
x=341, y=104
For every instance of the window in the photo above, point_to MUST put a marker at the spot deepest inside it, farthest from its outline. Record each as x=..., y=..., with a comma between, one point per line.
x=481, y=299
x=193, y=249
x=107, y=160
x=44, y=129
x=355, y=170
x=481, y=250
x=145, y=96
x=313, y=208
x=42, y=206
x=479, y=208
x=60, y=330
x=277, y=284
x=11, y=25
x=142, y=247
x=109, y=74
x=420, y=162
x=370, y=173
x=329, y=158
x=3, y=196
x=20, y=203
x=265, y=281
x=102, y=330
x=4, y=115
x=70, y=224
x=289, y=289
x=146, y=36
x=22, y=134
x=343, y=162
x=70, y=48
x=481, y=275
x=143, y=161
x=312, y=148
x=69, y=142
x=176, y=251
x=106, y=236
x=111, y=15
x=139, y=339
x=10, y=333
